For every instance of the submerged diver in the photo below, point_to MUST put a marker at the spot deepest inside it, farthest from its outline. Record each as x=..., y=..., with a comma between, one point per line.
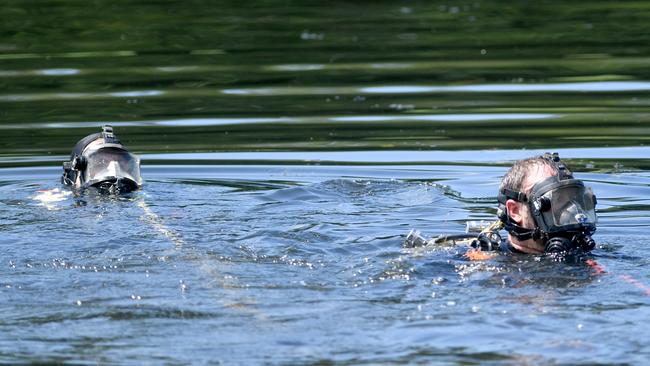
x=543, y=208
x=101, y=161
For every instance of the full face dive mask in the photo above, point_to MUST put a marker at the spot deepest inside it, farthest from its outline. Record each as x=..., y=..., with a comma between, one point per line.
x=563, y=208
x=101, y=161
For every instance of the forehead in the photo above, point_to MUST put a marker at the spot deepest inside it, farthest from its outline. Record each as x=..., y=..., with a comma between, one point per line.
x=536, y=174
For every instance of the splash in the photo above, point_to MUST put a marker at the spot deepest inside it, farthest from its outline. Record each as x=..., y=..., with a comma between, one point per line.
x=50, y=197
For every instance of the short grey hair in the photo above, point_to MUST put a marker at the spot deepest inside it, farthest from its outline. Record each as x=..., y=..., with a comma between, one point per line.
x=516, y=176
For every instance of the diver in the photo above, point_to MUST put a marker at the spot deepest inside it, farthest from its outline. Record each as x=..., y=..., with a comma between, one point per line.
x=101, y=161
x=543, y=208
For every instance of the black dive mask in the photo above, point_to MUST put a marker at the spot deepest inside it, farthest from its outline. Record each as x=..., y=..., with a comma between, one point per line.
x=563, y=208
x=565, y=213
x=106, y=165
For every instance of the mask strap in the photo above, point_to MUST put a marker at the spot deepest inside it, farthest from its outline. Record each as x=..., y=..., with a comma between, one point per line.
x=69, y=175
x=521, y=233
x=515, y=230
x=507, y=194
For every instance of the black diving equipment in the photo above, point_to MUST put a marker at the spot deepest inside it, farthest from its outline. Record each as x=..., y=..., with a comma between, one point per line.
x=415, y=240
x=486, y=238
x=564, y=210
x=101, y=161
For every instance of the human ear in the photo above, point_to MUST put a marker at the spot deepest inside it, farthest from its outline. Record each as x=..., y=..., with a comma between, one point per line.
x=514, y=211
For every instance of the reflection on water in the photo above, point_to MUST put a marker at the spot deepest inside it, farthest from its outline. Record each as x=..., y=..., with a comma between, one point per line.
x=311, y=78
x=620, y=86
x=287, y=150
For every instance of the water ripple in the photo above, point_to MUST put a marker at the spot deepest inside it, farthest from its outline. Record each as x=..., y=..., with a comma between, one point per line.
x=198, y=122
x=35, y=97
x=607, y=86
x=406, y=156
x=586, y=87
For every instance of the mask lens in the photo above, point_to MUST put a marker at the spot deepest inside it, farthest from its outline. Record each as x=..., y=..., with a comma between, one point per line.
x=110, y=164
x=571, y=205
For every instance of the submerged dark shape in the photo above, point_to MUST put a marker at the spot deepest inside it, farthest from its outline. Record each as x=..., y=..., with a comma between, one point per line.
x=102, y=162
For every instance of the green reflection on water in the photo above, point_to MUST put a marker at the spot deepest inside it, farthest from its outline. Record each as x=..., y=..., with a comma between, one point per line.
x=67, y=62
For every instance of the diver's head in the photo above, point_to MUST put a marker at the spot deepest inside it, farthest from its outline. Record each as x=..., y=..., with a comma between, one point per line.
x=101, y=161
x=544, y=208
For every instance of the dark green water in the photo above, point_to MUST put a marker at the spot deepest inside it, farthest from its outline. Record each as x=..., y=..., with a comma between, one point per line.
x=200, y=76
x=287, y=148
